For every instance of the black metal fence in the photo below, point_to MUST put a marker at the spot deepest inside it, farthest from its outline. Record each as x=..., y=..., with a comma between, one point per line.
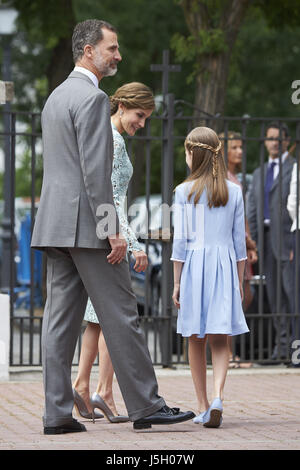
x=161, y=148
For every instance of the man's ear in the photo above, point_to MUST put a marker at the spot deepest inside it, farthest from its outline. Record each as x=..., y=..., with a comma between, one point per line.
x=88, y=51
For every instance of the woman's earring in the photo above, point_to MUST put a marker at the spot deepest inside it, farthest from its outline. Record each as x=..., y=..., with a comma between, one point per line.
x=121, y=113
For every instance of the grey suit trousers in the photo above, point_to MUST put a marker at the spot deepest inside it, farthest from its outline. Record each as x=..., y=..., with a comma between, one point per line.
x=73, y=274
x=281, y=324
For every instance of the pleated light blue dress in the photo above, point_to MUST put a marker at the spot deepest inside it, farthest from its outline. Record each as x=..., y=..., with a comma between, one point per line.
x=209, y=241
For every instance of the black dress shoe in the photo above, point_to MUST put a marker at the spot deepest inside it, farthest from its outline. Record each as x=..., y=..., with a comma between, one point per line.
x=74, y=426
x=165, y=415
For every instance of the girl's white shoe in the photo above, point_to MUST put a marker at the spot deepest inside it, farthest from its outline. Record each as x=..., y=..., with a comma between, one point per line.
x=199, y=419
x=213, y=416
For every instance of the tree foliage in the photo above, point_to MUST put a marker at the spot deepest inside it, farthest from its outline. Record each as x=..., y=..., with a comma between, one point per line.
x=144, y=30
x=262, y=48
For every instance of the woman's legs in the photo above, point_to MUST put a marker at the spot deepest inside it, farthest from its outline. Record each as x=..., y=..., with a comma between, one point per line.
x=248, y=295
x=92, y=342
x=89, y=350
x=197, y=360
x=219, y=352
x=106, y=374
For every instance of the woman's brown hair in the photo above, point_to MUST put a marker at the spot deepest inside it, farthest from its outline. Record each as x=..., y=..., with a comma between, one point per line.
x=230, y=137
x=132, y=95
x=208, y=167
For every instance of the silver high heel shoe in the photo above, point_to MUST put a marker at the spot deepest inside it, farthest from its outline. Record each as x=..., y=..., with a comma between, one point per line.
x=82, y=409
x=98, y=402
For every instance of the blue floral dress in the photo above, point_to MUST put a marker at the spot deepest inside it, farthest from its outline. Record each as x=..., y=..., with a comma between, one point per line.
x=121, y=174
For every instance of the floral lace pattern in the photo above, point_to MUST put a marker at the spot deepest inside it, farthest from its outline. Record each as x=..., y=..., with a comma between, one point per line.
x=120, y=177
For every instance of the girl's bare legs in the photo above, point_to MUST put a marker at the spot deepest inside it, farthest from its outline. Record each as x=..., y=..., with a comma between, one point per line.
x=89, y=350
x=106, y=374
x=197, y=360
x=219, y=352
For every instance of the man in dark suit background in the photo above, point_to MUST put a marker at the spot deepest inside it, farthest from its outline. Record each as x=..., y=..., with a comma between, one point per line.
x=269, y=203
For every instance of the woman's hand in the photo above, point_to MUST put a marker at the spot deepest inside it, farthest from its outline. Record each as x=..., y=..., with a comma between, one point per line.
x=250, y=244
x=141, y=261
x=176, y=295
x=252, y=256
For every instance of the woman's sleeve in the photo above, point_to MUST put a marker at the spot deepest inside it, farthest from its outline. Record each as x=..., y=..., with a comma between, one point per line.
x=180, y=228
x=238, y=230
x=127, y=232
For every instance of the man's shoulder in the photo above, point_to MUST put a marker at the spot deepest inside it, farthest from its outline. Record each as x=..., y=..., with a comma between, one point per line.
x=290, y=161
x=256, y=172
x=75, y=92
x=77, y=84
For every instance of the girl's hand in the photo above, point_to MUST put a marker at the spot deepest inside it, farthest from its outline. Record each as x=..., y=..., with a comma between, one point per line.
x=242, y=291
x=141, y=261
x=176, y=294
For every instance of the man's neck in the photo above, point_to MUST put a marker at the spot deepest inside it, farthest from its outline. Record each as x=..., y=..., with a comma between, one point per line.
x=89, y=66
x=276, y=157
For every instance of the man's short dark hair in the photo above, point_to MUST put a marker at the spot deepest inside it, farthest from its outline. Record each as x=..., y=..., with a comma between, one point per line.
x=88, y=32
x=279, y=125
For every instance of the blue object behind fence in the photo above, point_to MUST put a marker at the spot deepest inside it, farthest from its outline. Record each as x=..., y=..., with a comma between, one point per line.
x=23, y=268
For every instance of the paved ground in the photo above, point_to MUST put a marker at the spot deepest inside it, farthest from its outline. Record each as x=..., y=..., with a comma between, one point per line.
x=261, y=412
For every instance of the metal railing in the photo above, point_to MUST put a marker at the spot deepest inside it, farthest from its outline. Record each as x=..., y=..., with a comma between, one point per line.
x=163, y=154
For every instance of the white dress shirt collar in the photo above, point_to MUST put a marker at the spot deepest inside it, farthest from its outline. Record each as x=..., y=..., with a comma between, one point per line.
x=88, y=73
x=276, y=160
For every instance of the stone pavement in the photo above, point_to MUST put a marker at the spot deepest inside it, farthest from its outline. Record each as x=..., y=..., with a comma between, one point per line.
x=261, y=412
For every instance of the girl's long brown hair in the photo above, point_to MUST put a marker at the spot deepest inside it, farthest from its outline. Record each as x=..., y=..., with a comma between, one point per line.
x=208, y=167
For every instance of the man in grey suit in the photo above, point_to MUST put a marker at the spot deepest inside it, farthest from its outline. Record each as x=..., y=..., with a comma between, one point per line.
x=268, y=203
x=85, y=252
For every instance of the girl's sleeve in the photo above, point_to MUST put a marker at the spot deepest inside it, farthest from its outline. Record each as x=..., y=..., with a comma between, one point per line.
x=238, y=230
x=180, y=228
x=127, y=232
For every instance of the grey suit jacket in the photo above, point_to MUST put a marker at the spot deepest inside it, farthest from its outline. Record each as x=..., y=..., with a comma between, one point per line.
x=278, y=226
x=77, y=160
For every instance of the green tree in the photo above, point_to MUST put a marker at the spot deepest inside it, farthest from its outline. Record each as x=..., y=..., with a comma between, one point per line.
x=265, y=61
x=43, y=54
x=245, y=68
x=213, y=26
x=48, y=26
x=23, y=175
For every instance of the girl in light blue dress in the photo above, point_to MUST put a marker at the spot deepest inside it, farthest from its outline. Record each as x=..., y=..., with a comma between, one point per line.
x=209, y=254
x=131, y=105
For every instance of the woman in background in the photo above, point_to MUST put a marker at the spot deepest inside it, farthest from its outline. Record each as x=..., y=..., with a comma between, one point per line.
x=234, y=163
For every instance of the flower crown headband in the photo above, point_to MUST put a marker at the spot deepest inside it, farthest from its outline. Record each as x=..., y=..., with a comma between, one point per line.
x=205, y=146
